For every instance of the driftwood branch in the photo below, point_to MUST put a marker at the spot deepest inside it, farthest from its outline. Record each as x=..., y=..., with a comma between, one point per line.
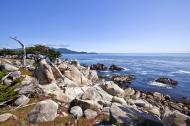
x=23, y=47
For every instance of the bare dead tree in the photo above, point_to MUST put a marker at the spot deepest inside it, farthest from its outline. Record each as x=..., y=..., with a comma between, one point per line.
x=23, y=47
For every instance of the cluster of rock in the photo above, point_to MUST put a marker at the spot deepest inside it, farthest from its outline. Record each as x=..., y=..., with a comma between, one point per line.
x=122, y=80
x=102, y=67
x=80, y=90
x=166, y=80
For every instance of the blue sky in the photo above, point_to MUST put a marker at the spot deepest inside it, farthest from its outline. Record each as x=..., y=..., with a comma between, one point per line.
x=117, y=26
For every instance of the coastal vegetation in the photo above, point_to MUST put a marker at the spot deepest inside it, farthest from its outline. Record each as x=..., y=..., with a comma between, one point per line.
x=40, y=49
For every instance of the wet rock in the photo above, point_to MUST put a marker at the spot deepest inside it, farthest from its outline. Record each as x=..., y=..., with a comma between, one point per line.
x=122, y=79
x=98, y=67
x=76, y=111
x=112, y=88
x=166, y=80
x=22, y=100
x=43, y=111
x=115, y=67
x=8, y=67
x=176, y=118
x=90, y=114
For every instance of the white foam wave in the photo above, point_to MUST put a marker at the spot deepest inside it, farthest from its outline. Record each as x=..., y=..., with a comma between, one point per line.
x=153, y=83
x=182, y=72
x=105, y=71
x=125, y=69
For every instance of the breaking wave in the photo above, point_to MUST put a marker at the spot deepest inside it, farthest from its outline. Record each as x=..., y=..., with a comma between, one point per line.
x=153, y=83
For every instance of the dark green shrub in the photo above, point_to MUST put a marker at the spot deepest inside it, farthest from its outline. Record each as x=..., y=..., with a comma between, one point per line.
x=2, y=74
x=7, y=93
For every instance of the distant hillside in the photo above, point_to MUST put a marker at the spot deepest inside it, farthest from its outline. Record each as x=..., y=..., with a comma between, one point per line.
x=68, y=51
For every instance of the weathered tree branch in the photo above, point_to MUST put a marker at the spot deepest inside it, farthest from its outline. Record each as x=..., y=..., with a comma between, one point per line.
x=23, y=47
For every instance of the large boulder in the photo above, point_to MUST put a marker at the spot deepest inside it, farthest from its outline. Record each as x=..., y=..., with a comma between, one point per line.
x=130, y=115
x=8, y=67
x=166, y=80
x=75, y=75
x=98, y=66
x=96, y=94
x=76, y=111
x=115, y=67
x=43, y=111
x=175, y=118
x=43, y=72
x=112, y=88
x=51, y=89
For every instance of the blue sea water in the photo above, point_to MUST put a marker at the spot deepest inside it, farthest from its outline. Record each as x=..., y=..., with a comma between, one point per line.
x=146, y=68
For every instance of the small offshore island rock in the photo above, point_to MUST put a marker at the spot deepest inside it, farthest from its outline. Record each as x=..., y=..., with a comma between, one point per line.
x=98, y=66
x=166, y=80
x=115, y=67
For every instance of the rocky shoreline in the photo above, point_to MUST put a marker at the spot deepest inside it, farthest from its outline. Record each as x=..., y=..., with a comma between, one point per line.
x=82, y=94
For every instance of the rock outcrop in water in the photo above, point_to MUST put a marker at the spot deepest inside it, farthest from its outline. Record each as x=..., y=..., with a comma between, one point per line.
x=122, y=79
x=166, y=80
x=80, y=93
x=98, y=66
x=115, y=68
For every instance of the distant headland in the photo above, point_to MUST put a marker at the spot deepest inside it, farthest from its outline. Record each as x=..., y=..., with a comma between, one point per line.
x=68, y=51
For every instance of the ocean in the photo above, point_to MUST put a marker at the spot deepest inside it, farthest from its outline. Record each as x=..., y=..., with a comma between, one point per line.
x=146, y=68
